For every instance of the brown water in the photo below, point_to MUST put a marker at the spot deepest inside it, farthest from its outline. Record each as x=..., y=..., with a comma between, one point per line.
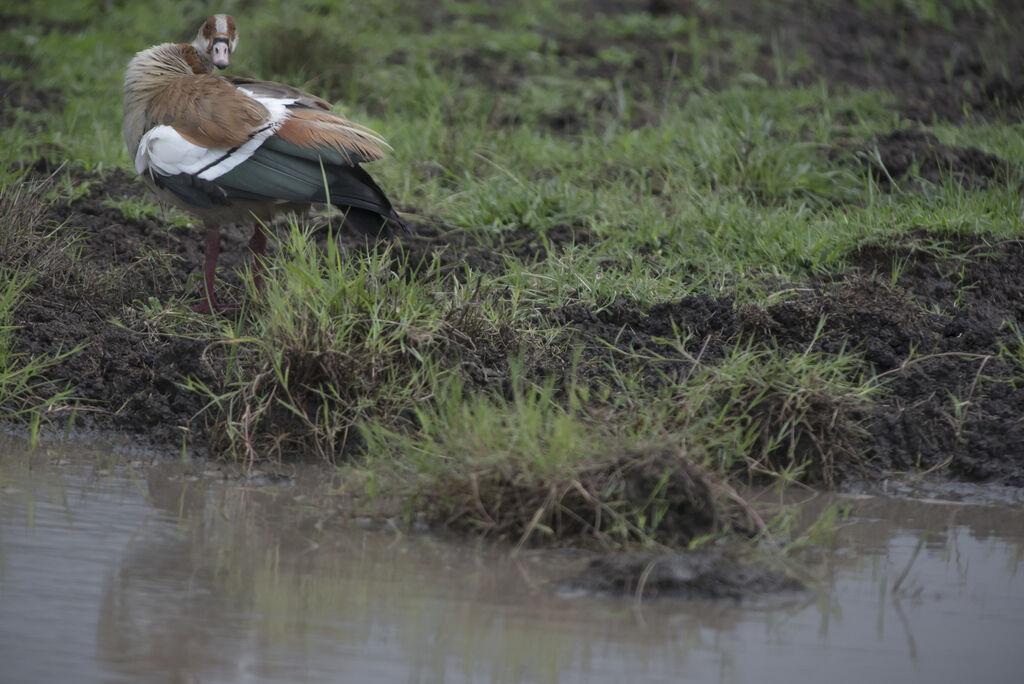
x=114, y=572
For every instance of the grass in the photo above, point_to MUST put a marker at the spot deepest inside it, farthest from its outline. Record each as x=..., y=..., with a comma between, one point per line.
x=461, y=387
x=27, y=393
x=335, y=340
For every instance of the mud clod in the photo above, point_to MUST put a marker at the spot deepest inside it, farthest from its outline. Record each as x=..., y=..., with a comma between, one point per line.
x=913, y=153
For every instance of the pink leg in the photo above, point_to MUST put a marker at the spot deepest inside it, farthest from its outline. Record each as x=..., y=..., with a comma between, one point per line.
x=258, y=247
x=208, y=304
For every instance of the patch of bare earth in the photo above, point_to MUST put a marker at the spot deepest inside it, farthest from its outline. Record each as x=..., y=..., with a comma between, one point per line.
x=906, y=158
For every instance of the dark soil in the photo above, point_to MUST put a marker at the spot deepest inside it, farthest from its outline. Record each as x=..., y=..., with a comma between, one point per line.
x=690, y=576
x=18, y=95
x=935, y=72
x=128, y=379
x=906, y=158
x=955, y=305
x=958, y=312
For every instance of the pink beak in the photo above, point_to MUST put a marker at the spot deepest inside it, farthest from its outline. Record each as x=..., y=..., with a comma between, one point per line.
x=220, y=53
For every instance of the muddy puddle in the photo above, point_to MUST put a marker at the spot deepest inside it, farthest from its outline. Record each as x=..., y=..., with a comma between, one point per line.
x=112, y=569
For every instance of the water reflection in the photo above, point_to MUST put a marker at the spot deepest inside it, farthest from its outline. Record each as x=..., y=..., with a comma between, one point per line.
x=112, y=573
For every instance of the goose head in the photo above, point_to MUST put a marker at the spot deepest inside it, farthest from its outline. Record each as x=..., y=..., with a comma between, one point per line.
x=217, y=37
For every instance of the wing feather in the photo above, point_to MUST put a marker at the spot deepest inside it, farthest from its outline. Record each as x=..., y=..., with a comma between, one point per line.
x=209, y=112
x=212, y=142
x=311, y=134
x=272, y=89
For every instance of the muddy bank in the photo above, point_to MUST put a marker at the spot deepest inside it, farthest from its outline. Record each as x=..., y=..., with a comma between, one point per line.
x=948, y=394
x=941, y=336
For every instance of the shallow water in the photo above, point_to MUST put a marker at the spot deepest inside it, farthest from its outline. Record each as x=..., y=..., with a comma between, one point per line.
x=115, y=572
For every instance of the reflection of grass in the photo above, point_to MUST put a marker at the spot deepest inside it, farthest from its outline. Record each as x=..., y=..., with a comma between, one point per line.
x=683, y=171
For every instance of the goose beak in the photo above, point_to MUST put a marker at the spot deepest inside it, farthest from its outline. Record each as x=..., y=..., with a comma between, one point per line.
x=220, y=53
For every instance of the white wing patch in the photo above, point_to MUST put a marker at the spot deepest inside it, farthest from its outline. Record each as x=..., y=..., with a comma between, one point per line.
x=162, y=150
x=277, y=106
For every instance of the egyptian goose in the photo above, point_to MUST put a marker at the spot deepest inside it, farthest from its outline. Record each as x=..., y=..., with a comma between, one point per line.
x=233, y=150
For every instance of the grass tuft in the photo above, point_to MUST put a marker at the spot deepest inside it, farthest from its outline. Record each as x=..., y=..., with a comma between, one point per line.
x=337, y=338
x=528, y=469
x=784, y=416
